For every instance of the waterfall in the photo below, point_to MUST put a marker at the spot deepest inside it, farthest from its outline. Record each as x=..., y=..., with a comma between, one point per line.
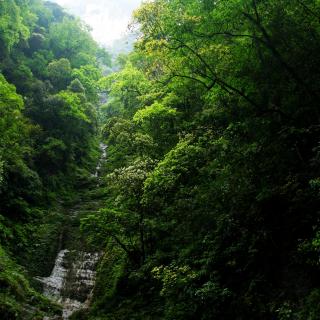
x=103, y=149
x=72, y=279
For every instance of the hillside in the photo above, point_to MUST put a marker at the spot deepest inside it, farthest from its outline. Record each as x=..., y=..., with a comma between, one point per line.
x=202, y=201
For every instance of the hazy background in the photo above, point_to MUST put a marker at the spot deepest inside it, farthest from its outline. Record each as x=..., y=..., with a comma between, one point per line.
x=108, y=18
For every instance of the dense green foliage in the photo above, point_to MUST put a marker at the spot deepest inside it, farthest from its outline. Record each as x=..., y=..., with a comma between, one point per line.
x=212, y=175
x=210, y=189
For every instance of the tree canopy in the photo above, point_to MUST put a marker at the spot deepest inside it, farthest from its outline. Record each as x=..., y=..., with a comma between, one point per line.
x=223, y=96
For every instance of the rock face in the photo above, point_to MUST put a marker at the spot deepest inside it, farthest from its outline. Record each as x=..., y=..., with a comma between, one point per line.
x=72, y=280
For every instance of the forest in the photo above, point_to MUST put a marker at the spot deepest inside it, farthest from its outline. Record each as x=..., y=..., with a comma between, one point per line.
x=205, y=200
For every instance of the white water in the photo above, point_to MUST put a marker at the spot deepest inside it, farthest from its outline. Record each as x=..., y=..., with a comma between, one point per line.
x=71, y=283
x=103, y=149
x=54, y=283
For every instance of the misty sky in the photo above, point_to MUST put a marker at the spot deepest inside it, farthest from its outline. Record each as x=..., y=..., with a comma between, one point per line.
x=108, y=18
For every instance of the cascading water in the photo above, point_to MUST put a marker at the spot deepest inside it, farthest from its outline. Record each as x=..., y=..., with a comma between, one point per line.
x=78, y=289
x=53, y=285
x=73, y=276
x=72, y=280
x=103, y=148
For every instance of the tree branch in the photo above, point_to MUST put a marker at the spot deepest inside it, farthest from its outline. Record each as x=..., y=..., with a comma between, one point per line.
x=222, y=83
x=308, y=10
x=208, y=87
x=276, y=53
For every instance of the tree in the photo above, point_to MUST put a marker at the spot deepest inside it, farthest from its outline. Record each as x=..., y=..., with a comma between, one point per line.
x=12, y=26
x=19, y=182
x=89, y=76
x=69, y=38
x=59, y=72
